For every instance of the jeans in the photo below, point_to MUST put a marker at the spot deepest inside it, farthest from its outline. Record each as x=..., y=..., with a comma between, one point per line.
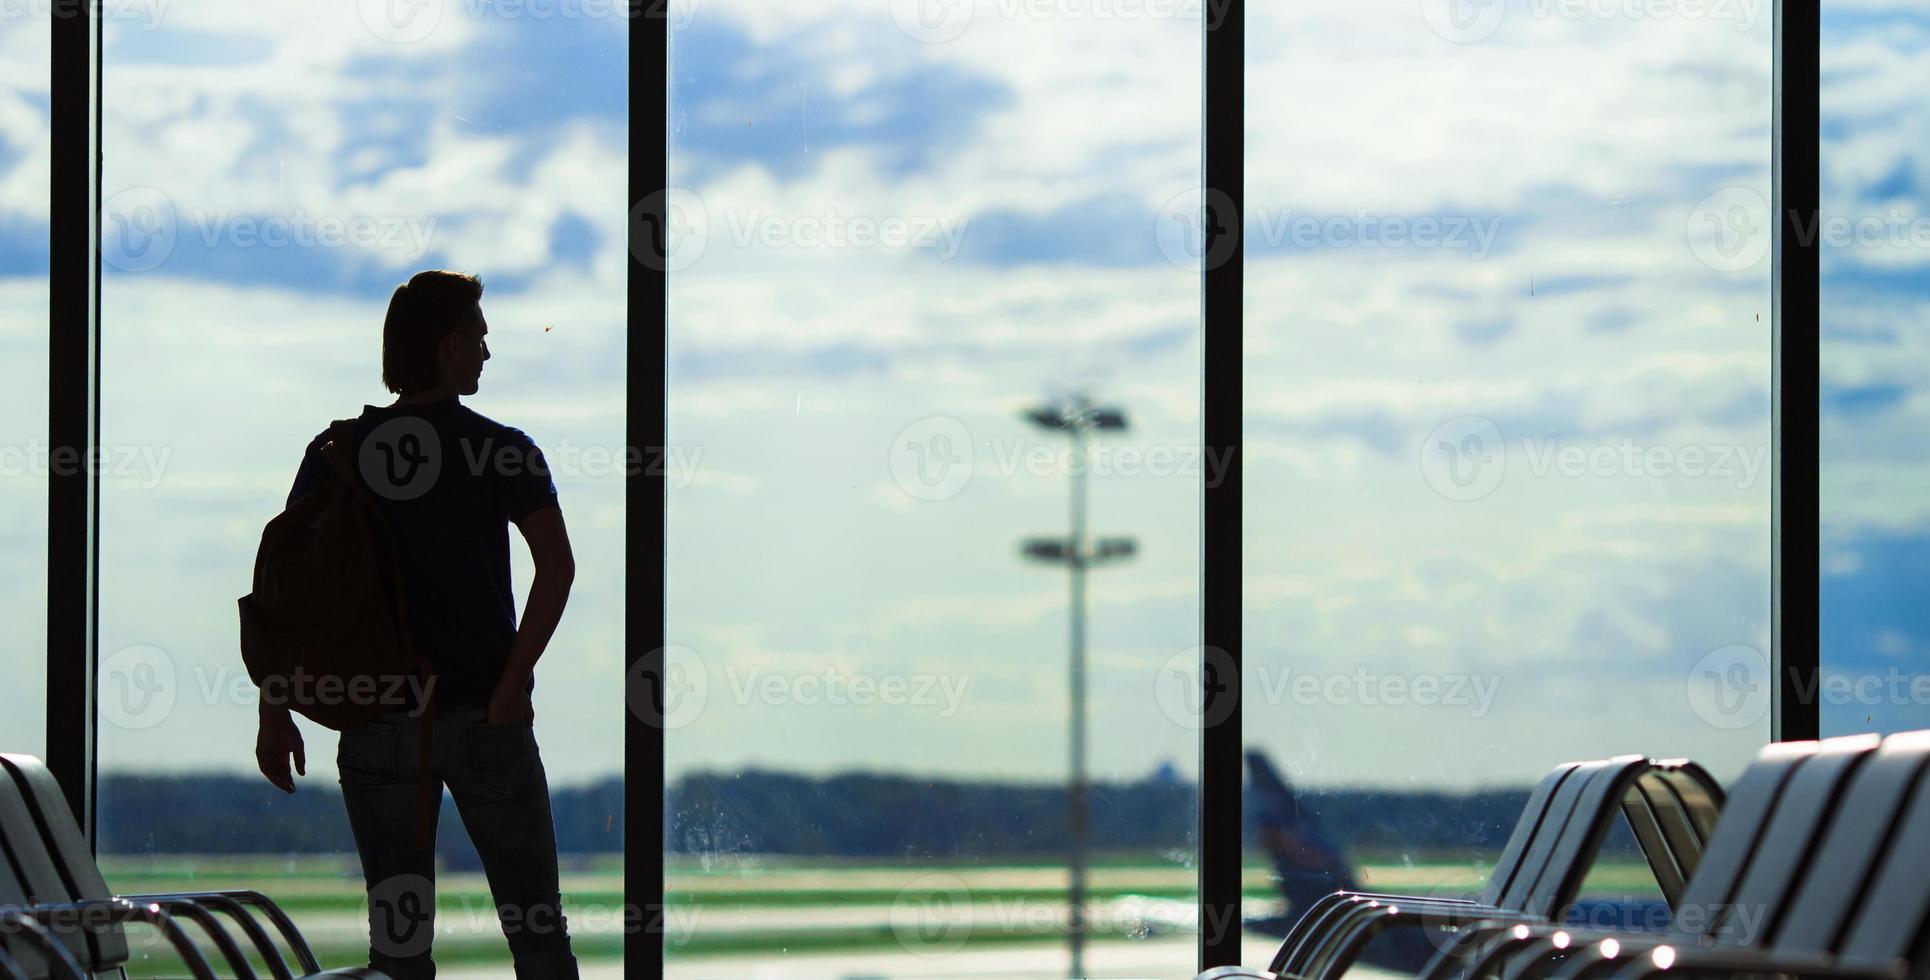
x=495, y=774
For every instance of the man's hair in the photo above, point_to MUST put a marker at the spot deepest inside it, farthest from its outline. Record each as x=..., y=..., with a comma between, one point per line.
x=427, y=308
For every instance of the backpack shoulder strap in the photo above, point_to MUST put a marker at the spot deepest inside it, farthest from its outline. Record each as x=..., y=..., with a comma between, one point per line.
x=340, y=450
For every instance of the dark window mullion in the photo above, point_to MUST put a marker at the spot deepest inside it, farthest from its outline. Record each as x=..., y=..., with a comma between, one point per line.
x=1220, y=842
x=646, y=388
x=73, y=403
x=1795, y=635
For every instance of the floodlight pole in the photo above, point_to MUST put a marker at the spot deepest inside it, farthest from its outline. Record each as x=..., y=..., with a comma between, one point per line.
x=1078, y=418
x=1076, y=801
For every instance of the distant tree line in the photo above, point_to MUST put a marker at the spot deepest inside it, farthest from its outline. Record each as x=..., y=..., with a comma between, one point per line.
x=858, y=815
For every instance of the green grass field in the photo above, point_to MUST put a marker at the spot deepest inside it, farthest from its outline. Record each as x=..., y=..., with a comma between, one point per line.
x=746, y=906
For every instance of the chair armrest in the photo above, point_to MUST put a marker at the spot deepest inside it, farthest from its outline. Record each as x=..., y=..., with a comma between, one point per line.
x=1484, y=947
x=80, y=914
x=18, y=921
x=1322, y=926
x=236, y=903
x=1335, y=956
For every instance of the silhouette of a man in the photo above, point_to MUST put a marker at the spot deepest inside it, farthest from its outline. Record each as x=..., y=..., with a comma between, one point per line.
x=449, y=483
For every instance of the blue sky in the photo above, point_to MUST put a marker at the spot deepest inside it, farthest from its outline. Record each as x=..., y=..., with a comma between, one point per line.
x=1537, y=239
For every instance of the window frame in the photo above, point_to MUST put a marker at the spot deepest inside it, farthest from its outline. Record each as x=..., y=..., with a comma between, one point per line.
x=73, y=498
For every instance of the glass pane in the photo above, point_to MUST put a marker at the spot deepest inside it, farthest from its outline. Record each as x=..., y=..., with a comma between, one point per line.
x=24, y=460
x=272, y=172
x=1874, y=240
x=1508, y=473
x=898, y=229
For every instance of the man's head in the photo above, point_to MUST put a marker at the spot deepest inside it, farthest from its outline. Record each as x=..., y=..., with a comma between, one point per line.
x=434, y=334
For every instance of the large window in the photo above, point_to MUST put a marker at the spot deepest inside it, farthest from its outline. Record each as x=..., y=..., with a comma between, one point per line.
x=1874, y=243
x=1507, y=375
x=272, y=172
x=24, y=46
x=897, y=230
x=934, y=679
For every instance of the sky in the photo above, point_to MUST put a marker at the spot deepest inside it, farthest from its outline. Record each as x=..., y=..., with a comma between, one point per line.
x=1507, y=374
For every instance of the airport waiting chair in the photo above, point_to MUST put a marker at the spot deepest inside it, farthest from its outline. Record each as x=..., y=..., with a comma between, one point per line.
x=1670, y=806
x=1818, y=868
x=72, y=900
x=31, y=887
x=27, y=950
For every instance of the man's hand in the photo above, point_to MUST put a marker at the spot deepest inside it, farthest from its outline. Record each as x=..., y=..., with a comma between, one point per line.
x=510, y=702
x=275, y=741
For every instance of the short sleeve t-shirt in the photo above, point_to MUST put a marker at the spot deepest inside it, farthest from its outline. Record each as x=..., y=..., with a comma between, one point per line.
x=449, y=482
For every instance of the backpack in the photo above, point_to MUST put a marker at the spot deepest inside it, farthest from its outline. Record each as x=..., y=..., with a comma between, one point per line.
x=322, y=632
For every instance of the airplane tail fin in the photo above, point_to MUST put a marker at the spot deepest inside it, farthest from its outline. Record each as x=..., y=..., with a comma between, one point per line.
x=1307, y=864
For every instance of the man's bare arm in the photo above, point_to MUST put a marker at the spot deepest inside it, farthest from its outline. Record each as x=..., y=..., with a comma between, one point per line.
x=549, y=592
